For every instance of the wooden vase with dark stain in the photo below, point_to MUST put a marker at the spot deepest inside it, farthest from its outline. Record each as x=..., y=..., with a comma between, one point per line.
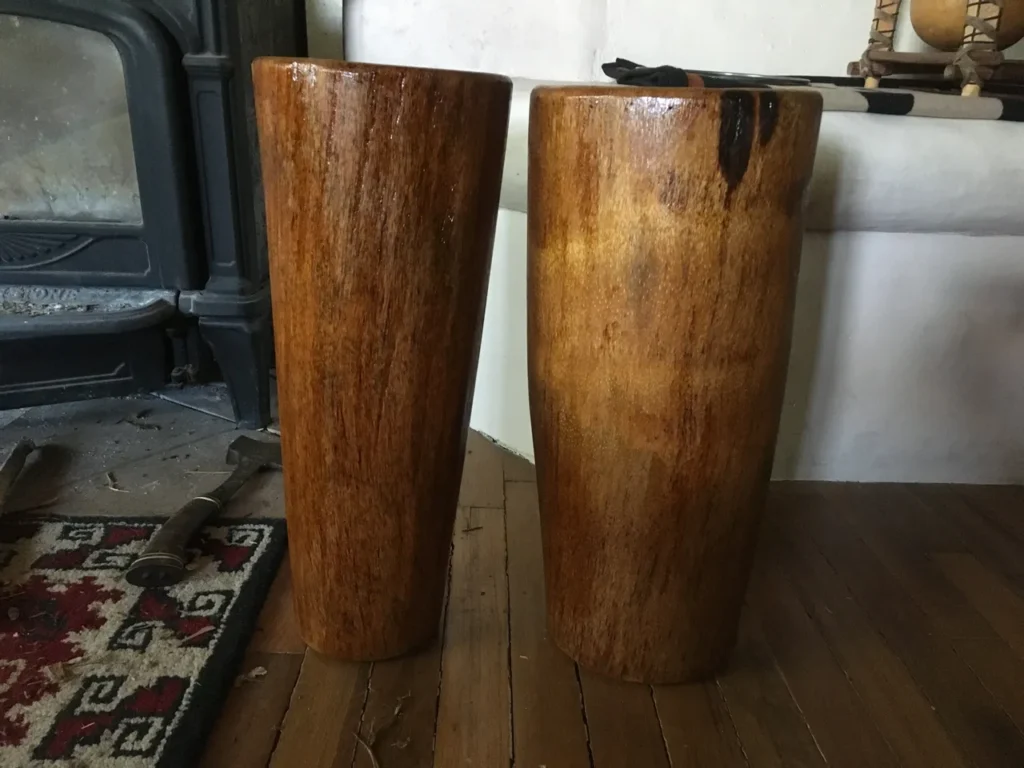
x=382, y=189
x=665, y=228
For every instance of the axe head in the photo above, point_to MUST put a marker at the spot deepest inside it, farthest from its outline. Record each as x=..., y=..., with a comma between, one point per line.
x=263, y=453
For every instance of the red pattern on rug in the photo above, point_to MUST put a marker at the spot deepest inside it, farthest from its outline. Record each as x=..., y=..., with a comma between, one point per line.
x=96, y=672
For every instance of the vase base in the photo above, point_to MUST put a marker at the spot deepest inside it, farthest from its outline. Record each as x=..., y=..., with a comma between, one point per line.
x=675, y=669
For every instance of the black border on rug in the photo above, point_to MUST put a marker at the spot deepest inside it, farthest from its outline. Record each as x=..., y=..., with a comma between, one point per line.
x=185, y=746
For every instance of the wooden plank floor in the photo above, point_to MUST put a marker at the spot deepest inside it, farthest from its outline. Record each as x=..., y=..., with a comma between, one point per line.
x=884, y=627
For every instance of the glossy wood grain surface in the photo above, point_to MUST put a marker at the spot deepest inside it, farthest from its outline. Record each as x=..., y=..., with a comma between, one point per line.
x=382, y=191
x=664, y=244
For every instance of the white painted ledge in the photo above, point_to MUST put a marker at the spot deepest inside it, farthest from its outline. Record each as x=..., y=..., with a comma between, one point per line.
x=875, y=172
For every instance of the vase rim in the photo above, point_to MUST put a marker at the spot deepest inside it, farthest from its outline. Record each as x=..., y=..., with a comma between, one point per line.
x=359, y=69
x=671, y=93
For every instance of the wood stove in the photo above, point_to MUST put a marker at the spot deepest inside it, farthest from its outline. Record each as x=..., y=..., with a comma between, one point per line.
x=131, y=209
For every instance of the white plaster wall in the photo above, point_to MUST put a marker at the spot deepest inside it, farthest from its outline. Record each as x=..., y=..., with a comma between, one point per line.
x=765, y=36
x=779, y=37
x=570, y=39
x=909, y=347
x=501, y=405
x=907, y=361
x=555, y=39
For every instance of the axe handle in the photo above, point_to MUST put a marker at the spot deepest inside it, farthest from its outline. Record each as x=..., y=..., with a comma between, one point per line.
x=162, y=563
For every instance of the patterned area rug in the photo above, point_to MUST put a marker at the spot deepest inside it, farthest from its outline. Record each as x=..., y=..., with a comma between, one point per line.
x=97, y=673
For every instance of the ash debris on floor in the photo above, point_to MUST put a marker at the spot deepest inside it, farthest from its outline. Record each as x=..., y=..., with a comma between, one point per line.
x=145, y=455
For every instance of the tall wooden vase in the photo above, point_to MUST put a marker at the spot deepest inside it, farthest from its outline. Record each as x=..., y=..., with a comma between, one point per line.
x=664, y=242
x=382, y=191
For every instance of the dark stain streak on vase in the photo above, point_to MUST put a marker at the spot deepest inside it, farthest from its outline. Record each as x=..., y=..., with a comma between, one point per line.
x=767, y=116
x=735, y=136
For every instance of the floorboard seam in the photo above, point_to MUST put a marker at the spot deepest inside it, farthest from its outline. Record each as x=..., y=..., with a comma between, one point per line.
x=661, y=726
x=796, y=703
x=803, y=600
x=362, y=715
x=284, y=716
x=583, y=711
x=508, y=647
x=732, y=722
x=440, y=660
